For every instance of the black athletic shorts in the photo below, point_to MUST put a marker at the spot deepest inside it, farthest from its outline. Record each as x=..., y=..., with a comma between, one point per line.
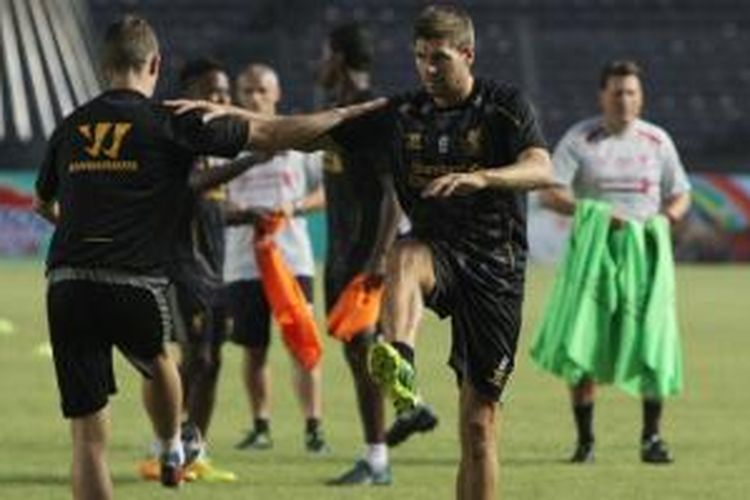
x=337, y=275
x=484, y=299
x=91, y=311
x=251, y=314
x=199, y=316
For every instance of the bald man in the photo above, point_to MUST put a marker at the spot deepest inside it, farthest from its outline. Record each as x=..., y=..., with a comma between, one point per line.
x=289, y=182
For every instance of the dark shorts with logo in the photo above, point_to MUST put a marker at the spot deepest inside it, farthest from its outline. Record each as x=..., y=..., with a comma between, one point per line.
x=91, y=311
x=484, y=298
x=200, y=312
x=251, y=314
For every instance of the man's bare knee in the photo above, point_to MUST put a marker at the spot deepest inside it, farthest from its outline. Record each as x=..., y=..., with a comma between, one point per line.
x=91, y=430
x=411, y=260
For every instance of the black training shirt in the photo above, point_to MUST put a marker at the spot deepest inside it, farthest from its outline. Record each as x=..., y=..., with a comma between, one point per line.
x=423, y=142
x=118, y=166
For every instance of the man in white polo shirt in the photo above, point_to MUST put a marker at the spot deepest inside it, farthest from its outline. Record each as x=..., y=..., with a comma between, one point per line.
x=633, y=165
x=291, y=182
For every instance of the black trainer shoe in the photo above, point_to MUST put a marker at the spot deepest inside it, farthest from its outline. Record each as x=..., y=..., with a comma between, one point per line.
x=655, y=451
x=362, y=474
x=255, y=440
x=583, y=454
x=421, y=418
x=315, y=442
x=170, y=469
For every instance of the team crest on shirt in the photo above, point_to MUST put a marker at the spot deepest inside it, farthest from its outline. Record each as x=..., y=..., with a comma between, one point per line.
x=414, y=141
x=472, y=144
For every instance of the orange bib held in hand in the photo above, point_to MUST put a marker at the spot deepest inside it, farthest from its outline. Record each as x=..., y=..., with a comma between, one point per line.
x=285, y=297
x=357, y=309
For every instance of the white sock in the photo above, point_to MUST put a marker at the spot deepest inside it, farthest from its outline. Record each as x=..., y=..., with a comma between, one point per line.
x=377, y=456
x=171, y=445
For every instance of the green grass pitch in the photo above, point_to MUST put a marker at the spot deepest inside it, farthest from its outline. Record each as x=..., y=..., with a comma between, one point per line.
x=708, y=427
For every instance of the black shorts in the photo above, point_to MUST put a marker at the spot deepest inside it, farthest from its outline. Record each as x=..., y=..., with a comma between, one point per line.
x=199, y=316
x=89, y=313
x=484, y=300
x=251, y=314
x=338, y=274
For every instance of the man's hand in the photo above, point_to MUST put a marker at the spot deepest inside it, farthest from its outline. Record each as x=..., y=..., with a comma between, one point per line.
x=374, y=271
x=617, y=221
x=211, y=110
x=455, y=184
x=287, y=209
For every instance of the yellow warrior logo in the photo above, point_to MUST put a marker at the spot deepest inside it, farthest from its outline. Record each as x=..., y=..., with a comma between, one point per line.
x=116, y=132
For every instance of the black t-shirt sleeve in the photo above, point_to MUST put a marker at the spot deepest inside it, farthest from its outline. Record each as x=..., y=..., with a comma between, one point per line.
x=225, y=136
x=526, y=131
x=366, y=133
x=48, y=177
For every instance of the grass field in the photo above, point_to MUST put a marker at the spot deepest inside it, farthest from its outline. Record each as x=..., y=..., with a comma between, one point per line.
x=709, y=427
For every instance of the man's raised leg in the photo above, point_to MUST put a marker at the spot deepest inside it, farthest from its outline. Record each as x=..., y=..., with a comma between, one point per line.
x=410, y=276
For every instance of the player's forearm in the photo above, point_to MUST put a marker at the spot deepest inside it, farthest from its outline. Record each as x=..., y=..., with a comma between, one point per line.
x=677, y=207
x=313, y=202
x=533, y=170
x=274, y=133
x=559, y=200
x=203, y=180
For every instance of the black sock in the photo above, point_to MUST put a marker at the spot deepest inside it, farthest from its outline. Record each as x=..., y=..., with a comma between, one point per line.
x=651, y=417
x=262, y=425
x=405, y=350
x=312, y=425
x=584, y=417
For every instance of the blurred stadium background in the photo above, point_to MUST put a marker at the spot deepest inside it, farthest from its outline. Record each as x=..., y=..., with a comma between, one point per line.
x=695, y=54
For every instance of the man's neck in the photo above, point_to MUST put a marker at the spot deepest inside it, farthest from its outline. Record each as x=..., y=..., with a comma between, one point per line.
x=617, y=127
x=460, y=95
x=131, y=82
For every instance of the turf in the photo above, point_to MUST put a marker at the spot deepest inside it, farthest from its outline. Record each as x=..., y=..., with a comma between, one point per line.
x=709, y=427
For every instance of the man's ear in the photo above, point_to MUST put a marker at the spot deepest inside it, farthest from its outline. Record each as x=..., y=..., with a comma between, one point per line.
x=154, y=64
x=469, y=54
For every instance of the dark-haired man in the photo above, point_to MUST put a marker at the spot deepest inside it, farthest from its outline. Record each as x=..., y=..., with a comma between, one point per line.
x=115, y=182
x=195, y=271
x=633, y=165
x=462, y=151
x=362, y=218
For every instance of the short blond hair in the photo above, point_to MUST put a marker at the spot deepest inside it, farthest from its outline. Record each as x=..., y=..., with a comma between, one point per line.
x=128, y=44
x=445, y=22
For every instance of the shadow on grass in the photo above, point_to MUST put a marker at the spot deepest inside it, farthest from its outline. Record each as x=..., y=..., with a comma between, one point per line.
x=41, y=479
x=536, y=461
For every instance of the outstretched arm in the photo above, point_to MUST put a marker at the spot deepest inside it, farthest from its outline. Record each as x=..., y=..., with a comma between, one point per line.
x=532, y=170
x=275, y=133
x=208, y=178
